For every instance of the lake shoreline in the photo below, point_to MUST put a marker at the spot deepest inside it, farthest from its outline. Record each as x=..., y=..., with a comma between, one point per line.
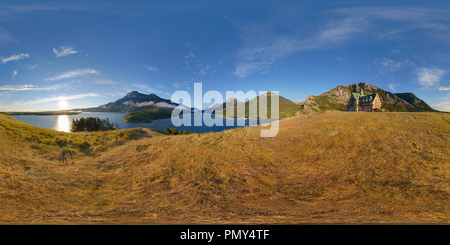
x=43, y=113
x=62, y=122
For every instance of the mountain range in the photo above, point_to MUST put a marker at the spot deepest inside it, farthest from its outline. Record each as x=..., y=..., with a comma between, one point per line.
x=286, y=107
x=134, y=102
x=236, y=103
x=337, y=99
x=145, y=108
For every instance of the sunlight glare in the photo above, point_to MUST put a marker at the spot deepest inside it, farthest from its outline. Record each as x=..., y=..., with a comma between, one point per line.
x=63, y=104
x=63, y=123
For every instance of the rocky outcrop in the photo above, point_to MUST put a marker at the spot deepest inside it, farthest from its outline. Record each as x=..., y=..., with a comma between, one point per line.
x=337, y=99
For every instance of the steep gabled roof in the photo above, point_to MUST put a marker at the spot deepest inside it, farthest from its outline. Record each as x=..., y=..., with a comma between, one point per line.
x=367, y=98
x=356, y=95
x=364, y=98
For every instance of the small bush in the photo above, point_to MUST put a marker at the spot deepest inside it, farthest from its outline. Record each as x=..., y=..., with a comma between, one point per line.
x=61, y=141
x=82, y=144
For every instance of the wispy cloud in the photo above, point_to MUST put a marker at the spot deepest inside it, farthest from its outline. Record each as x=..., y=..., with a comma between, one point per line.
x=205, y=70
x=10, y=12
x=27, y=87
x=74, y=73
x=386, y=65
x=15, y=57
x=187, y=59
x=428, y=77
x=410, y=18
x=14, y=74
x=244, y=69
x=444, y=88
x=392, y=86
x=151, y=68
x=51, y=99
x=263, y=44
x=189, y=55
x=105, y=81
x=442, y=106
x=179, y=85
x=149, y=103
x=64, y=51
x=146, y=88
x=5, y=36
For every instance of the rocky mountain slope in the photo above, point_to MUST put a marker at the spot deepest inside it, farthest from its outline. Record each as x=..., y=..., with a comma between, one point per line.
x=236, y=103
x=133, y=102
x=337, y=99
x=287, y=108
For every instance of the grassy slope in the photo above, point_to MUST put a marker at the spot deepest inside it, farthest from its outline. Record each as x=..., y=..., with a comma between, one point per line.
x=323, y=167
x=286, y=108
x=331, y=100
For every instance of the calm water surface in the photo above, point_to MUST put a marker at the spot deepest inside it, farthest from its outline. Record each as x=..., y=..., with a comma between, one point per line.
x=62, y=122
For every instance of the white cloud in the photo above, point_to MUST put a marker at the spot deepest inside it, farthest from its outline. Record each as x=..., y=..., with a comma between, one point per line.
x=189, y=55
x=64, y=51
x=443, y=106
x=246, y=68
x=180, y=85
x=130, y=103
x=146, y=88
x=105, y=81
x=263, y=44
x=176, y=85
x=15, y=57
x=149, y=103
x=388, y=66
x=392, y=86
x=152, y=68
x=337, y=32
x=5, y=36
x=444, y=88
x=14, y=74
x=27, y=87
x=428, y=77
x=165, y=105
x=205, y=70
x=56, y=98
x=139, y=104
x=74, y=73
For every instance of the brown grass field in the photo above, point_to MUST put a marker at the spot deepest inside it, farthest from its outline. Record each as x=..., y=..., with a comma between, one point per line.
x=332, y=167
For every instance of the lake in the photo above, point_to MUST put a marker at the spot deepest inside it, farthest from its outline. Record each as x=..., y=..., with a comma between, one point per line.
x=62, y=122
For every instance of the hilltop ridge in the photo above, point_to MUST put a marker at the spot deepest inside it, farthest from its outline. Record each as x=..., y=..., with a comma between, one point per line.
x=319, y=168
x=337, y=99
x=134, y=101
x=145, y=108
x=286, y=108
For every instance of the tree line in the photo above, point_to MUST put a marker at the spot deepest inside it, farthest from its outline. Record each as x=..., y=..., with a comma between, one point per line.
x=92, y=124
x=174, y=131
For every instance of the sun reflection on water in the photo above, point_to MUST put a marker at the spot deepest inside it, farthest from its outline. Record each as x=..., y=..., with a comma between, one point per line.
x=63, y=123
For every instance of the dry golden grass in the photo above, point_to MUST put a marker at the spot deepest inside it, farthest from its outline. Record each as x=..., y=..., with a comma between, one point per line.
x=327, y=167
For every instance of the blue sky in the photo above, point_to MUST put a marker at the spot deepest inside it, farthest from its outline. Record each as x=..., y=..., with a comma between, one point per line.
x=76, y=54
